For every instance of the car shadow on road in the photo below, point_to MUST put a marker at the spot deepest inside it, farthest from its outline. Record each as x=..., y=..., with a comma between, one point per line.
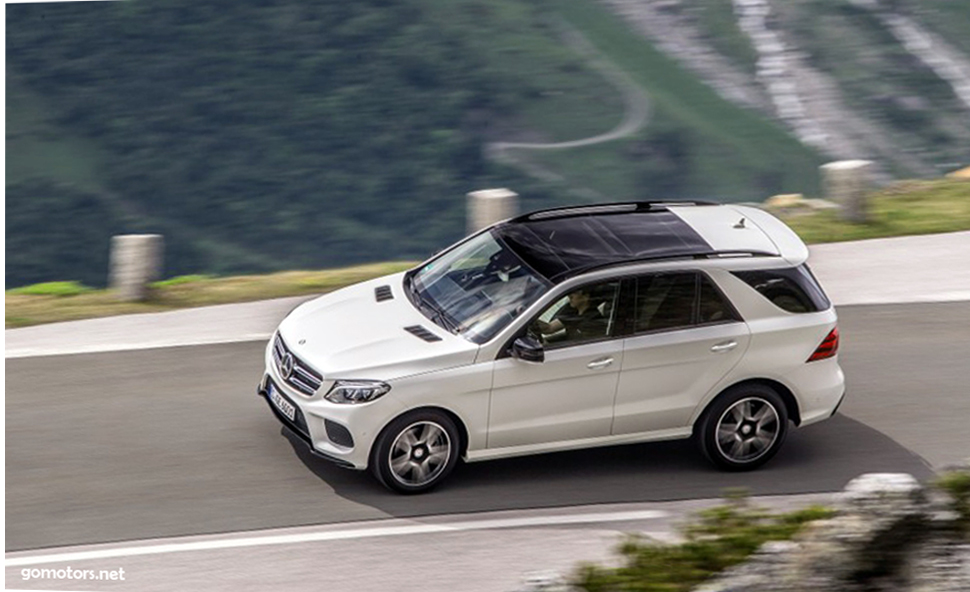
x=819, y=458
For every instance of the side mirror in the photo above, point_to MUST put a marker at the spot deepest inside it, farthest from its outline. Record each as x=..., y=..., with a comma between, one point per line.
x=528, y=349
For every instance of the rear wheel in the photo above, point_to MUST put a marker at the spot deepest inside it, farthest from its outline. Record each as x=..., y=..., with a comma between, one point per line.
x=416, y=452
x=743, y=428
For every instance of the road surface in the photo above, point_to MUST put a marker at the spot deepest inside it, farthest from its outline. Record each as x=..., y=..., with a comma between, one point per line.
x=165, y=442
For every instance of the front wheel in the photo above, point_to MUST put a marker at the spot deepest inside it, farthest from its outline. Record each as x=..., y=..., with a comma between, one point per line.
x=743, y=428
x=416, y=452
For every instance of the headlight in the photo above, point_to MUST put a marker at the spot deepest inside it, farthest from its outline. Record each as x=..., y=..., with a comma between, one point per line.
x=356, y=391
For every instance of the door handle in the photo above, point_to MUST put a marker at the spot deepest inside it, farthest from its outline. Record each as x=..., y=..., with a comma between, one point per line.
x=601, y=363
x=723, y=347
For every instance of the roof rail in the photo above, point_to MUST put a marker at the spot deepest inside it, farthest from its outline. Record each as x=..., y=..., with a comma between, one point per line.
x=607, y=208
x=701, y=255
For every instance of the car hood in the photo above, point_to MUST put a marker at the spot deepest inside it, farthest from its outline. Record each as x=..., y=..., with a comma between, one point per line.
x=350, y=334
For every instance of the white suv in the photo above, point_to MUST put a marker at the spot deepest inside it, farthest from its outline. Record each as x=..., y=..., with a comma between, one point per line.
x=563, y=329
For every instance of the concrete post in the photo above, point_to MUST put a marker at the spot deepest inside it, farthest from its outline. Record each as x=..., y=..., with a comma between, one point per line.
x=136, y=260
x=488, y=206
x=846, y=182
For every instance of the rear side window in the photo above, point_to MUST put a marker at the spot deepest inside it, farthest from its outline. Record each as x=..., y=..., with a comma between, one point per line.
x=793, y=289
x=678, y=300
x=711, y=306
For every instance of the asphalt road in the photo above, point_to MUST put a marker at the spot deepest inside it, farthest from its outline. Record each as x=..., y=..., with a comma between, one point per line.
x=155, y=443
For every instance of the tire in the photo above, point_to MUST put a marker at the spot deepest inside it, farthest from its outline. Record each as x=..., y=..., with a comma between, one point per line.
x=752, y=421
x=416, y=452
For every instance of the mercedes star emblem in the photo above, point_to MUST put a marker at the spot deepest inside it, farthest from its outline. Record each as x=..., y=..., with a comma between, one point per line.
x=286, y=366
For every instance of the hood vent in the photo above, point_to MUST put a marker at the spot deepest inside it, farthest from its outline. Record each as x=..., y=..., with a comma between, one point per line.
x=382, y=293
x=419, y=331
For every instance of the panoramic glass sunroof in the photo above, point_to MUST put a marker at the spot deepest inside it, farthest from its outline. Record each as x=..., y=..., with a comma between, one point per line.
x=560, y=246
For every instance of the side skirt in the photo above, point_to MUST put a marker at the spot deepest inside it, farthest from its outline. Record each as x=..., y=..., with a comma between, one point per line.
x=510, y=451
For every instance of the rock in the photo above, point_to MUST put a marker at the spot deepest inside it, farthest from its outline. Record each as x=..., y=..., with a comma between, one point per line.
x=963, y=173
x=941, y=566
x=785, y=200
x=883, y=496
x=820, y=204
x=881, y=539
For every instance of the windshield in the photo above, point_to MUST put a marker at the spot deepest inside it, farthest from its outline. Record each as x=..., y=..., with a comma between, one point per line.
x=475, y=289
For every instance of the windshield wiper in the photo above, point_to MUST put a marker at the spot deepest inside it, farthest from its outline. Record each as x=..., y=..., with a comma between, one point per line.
x=436, y=314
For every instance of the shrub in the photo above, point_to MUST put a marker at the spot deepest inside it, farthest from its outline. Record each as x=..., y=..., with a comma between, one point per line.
x=957, y=484
x=717, y=539
x=53, y=289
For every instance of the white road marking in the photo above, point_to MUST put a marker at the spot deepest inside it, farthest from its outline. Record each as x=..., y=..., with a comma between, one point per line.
x=337, y=535
x=100, y=348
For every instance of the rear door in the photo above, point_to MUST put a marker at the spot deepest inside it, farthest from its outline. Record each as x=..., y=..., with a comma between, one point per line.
x=685, y=337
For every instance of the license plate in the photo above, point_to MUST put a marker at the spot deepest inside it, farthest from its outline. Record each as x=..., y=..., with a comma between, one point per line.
x=285, y=407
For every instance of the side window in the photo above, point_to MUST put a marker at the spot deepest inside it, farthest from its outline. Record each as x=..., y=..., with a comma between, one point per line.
x=585, y=314
x=677, y=300
x=793, y=289
x=664, y=301
x=712, y=307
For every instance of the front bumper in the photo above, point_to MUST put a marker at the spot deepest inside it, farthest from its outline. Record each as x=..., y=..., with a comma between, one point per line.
x=298, y=427
x=343, y=434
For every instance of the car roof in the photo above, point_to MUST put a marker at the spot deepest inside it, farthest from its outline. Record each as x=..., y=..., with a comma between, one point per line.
x=565, y=242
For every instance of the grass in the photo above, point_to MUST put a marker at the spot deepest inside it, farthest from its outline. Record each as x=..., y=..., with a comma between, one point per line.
x=40, y=303
x=179, y=280
x=717, y=539
x=906, y=208
x=59, y=289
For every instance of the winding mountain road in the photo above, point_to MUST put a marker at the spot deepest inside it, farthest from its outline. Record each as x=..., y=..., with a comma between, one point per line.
x=635, y=117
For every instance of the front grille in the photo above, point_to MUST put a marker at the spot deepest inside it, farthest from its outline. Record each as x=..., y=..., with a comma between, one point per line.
x=301, y=376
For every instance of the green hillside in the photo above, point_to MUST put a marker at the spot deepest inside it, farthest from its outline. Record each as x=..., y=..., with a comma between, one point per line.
x=697, y=145
x=949, y=18
x=264, y=136
x=881, y=80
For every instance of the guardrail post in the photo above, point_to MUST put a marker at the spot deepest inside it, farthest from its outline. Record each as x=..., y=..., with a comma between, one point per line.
x=846, y=182
x=488, y=206
x=136, y=260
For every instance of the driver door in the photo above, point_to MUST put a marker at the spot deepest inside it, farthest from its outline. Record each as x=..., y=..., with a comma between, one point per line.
x=569, y=396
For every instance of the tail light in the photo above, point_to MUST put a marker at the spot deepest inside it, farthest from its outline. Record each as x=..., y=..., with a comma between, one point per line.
x=828, y=348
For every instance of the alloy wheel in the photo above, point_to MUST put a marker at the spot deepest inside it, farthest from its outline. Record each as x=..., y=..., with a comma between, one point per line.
x=419, y=454
x=747, y=430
